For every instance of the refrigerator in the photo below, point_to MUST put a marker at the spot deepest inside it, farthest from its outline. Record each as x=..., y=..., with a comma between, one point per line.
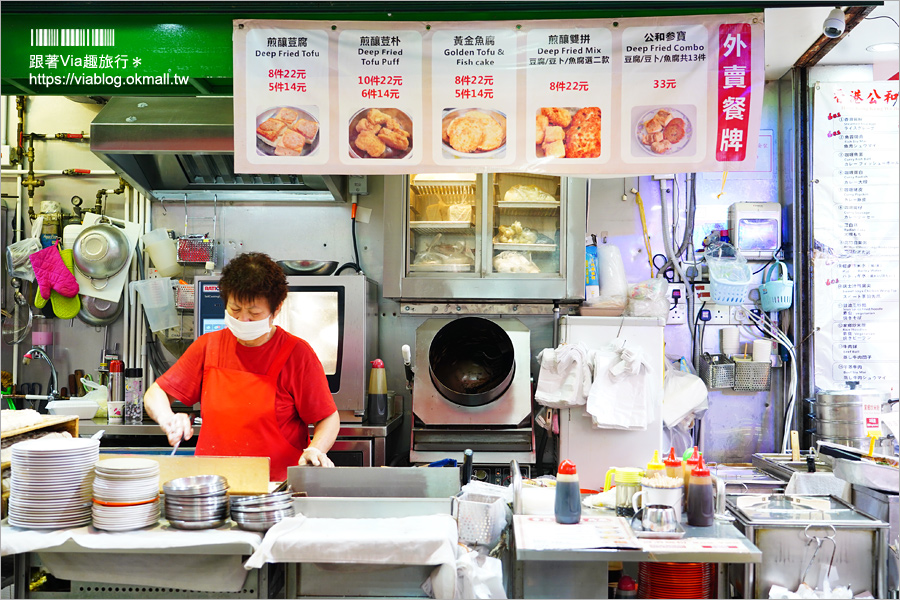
x=594, y=451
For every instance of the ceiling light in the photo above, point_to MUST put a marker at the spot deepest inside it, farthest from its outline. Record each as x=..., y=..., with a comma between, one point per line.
x=885, y=47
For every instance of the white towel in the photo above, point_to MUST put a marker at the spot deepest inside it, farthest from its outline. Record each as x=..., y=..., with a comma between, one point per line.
x=565, y=376
x=618, y=397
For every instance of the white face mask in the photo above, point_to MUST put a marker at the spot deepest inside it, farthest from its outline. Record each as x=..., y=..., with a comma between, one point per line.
x=247, y=330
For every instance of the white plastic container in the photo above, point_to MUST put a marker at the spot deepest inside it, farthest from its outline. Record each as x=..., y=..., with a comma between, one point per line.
x=83, y=409
x=158, y=300
x=161, y=249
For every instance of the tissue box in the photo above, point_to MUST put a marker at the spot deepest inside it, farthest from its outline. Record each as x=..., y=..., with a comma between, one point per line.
x=83, y=409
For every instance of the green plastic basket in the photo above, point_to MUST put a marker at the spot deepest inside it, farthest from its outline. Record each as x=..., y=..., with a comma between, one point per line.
x=778, y=294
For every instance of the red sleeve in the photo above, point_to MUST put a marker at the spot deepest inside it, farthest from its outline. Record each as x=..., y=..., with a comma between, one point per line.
x=184, y=379
x=312, y=397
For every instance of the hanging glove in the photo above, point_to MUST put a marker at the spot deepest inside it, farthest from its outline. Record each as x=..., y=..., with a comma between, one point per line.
x=52, y=274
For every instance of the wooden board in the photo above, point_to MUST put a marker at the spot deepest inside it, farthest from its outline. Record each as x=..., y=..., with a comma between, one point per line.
x=50, y=423
x=245, y=474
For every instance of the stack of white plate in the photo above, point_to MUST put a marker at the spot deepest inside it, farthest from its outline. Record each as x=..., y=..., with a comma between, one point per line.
x=126, y=493
x=50, y=486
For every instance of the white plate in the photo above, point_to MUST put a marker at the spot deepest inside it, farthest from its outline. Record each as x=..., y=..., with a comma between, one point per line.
x=118, y=465
x=60, y=524
x=450, y=114
x=125, y=527
x=267, y=147
x=57, y=445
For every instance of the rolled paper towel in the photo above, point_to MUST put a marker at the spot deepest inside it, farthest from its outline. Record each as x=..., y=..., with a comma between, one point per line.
x=730, y=343
x=762, y=350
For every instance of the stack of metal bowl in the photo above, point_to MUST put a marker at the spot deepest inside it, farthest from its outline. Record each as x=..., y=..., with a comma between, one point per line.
x=199, y=502
x=259, y=513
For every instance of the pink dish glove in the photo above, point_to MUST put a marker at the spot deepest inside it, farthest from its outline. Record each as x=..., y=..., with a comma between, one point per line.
x=52, y=274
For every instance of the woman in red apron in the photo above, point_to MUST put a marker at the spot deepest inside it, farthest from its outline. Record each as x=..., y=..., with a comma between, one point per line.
x=258, y=386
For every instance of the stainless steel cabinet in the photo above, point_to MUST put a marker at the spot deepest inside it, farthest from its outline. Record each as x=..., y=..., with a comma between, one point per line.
x=505, y=236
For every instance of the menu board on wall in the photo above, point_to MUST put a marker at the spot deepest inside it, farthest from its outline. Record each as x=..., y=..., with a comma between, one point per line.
x=856, y=174
x=639, y=95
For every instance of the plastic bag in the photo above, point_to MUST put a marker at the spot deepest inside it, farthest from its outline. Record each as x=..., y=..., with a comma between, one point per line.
x=479, y=576
x=683, y=394
x=98, y=393
x=726, y=263
x=511, y=261
x=648, y=299
x=611, y=276
x=17, y=258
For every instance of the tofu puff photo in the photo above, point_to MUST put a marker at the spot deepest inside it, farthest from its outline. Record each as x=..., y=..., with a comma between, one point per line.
x=286, y=131
x=567, y=132
x=380, y=133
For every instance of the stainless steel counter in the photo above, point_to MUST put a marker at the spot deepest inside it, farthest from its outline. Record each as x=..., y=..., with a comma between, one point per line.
x=88, y=427
x=583, y=573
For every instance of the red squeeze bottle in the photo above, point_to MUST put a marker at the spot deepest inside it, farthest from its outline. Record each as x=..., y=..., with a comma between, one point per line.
x=567, y=507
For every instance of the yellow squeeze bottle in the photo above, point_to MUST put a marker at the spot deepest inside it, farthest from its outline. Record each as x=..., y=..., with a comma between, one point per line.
x=655, y=467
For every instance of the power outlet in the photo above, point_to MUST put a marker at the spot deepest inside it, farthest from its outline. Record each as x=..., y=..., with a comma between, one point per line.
x=719, y=314
x=677, y=309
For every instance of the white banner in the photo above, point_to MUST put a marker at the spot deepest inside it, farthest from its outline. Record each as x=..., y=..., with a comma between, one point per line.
x=639, y=95
x=856, y=218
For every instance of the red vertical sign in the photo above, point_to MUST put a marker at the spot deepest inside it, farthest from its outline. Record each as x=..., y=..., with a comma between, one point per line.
x=734, y=86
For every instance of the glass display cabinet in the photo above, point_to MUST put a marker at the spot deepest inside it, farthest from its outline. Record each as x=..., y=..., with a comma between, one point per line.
x=504, y=236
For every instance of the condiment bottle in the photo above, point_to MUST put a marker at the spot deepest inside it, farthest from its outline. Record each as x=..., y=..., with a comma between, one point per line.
x=626, y=588
x=674, y=467
x=701, y=510
x=628, y=483
x=654, y=467
x=567, y=507
x=376, y=407
x=689, y=465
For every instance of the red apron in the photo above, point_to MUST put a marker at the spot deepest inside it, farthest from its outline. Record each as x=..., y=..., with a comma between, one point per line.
x=238, y=409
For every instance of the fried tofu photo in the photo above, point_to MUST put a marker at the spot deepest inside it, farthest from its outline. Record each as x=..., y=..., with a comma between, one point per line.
x=370, y=144
x=270, y=129
x=663, y=132
x=286, y=115
x=377, y=117
x=291, y=144
x=394, y=138
x=540, y=125
x=555, y=149
x=554, y=133
x=557, y=116
x=367, y=125
x=308, y=128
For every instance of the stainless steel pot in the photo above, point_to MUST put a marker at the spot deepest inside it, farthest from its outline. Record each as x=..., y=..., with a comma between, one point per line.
x=860, y=443
x=854, y=396
x=471, y=361
x=100, y=251
x=850, y=411
x=840, y=429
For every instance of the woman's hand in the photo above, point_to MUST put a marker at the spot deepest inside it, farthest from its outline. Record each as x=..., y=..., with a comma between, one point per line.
x=315, y=457
x=177, y=427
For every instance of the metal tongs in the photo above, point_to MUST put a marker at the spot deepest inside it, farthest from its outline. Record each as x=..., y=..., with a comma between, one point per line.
x=819, y=541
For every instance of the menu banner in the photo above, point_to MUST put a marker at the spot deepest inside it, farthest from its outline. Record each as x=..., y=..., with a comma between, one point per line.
x=856, y=179
x=639, y=95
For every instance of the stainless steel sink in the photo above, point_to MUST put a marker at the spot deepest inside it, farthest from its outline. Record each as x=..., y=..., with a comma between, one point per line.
x=782, y=467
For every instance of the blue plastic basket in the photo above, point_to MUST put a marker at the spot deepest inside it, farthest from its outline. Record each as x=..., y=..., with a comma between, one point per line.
x=729, y=274
x=776, y=294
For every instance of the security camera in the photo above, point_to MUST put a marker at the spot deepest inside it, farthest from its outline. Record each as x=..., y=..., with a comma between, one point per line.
x=833, y=26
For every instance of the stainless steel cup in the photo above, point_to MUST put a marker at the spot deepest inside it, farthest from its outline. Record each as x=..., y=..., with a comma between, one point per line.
x=657, y=517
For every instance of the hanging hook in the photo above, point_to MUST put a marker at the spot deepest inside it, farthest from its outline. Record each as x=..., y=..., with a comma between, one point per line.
x=162, y=202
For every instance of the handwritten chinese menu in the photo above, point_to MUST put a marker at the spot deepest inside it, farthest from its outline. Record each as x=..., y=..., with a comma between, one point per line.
x=636, y=95
x=857, y=234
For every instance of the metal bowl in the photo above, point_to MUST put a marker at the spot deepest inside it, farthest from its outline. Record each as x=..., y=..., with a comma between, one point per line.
x=255, y=510
x=99, y=312
x=100, y=251
x=262, y=500
x=198, y=485
x=209, y=524
x=308, y=267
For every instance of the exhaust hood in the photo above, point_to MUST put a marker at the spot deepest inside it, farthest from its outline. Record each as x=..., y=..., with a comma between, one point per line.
x=174, y=148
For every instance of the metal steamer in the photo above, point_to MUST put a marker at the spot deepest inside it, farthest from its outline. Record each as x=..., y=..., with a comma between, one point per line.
x=472, y=390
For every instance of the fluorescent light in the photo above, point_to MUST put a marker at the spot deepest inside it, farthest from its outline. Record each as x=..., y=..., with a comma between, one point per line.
x=885, y=47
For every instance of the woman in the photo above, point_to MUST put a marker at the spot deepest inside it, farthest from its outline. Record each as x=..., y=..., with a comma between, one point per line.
x=258, y=385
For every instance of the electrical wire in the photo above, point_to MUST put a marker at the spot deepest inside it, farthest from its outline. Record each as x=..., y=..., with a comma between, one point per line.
x=881, y=17
x=766, y=325
x=353, y=235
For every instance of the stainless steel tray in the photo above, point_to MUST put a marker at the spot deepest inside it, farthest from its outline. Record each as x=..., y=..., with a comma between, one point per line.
x=638, y=530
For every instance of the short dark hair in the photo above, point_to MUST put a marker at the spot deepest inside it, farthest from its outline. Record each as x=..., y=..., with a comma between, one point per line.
x=253, y=275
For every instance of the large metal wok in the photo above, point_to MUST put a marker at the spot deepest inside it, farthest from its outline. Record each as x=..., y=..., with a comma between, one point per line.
x=471, y=361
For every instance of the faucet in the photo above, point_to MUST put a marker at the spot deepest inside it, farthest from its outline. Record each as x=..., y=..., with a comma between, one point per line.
x=37, y=352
